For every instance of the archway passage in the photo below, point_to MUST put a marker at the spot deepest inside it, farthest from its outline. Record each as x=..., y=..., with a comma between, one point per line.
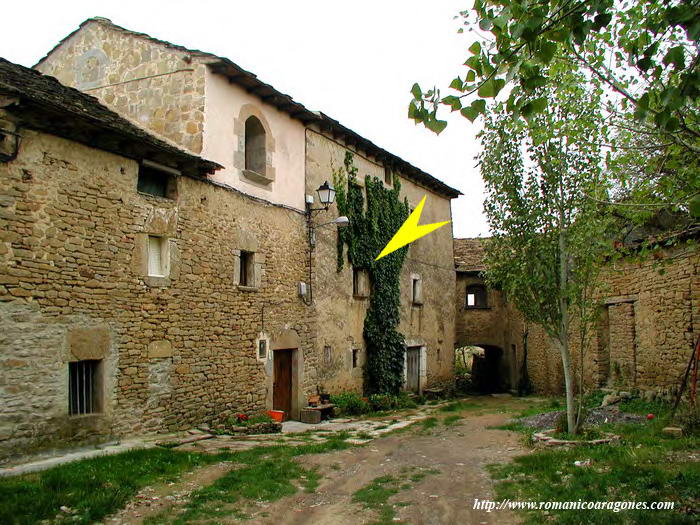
x=488, y=374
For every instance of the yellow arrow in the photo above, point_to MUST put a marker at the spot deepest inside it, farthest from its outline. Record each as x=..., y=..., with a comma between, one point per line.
x=410, y=231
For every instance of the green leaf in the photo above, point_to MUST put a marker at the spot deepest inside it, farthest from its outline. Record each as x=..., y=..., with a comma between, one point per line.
x=474, y=63
x=471, y=76
x=534, y=82
x=470, y=113
x=416, y=91
x=436, y=125
x=452, y=101
x=491, y=87
x=485, y=24
x=546, y=51
x=675, y=56
x=475, y=48
x=457, y=83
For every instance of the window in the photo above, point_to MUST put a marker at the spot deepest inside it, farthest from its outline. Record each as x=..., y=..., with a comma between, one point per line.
x=156, y=180
x=416, y=290
x=360, y=283
x=83, y=392
x=477, y=296
x=327, y=355
x=255, y=154
x=387, y=176
x=262, y=349
x=355, y=357
x=247, y=268
x=157, y=256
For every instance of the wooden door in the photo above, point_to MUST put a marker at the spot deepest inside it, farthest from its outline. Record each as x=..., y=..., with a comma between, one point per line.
x=413, y=369
x=282, y=387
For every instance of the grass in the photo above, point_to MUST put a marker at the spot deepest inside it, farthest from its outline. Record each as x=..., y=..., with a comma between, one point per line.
x=92, y=488
x=265, y=474
x=376, y=494
x=451, y=419
x=646, y=465
x=428, y=423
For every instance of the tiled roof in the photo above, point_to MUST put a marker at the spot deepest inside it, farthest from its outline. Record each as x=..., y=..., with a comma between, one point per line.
x=285, y=103
x=69, y=113
x=469, y=255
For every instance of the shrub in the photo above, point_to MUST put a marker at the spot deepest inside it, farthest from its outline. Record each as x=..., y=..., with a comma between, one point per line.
x=688, y=416
x=351, y=404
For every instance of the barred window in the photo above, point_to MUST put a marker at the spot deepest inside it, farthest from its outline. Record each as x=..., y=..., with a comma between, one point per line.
x=83, y=378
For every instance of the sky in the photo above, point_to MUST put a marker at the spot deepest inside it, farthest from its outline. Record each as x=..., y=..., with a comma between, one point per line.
x=355, y=61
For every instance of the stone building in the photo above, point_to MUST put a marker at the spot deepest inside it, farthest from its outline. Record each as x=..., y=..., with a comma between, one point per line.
x=648, y=324
x=173, y=288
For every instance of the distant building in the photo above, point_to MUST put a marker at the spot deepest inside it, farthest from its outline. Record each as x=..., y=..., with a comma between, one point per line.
x=648, y=324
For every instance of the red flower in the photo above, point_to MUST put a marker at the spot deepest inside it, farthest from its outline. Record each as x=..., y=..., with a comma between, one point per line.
x=242, y=417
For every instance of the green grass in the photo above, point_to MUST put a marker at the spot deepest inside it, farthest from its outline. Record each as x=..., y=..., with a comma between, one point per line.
x=92, y=488
x=265, y=474
x=375, y=495
x=451, y=419
x=646, y=465
x=428, y=424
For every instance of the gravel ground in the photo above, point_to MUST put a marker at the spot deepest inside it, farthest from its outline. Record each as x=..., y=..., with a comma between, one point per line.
x=596, y=416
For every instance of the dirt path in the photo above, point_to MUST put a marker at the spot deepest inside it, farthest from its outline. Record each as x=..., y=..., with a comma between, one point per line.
x=452, y=459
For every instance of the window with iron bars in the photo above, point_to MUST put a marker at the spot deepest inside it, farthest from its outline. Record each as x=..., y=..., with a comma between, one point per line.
x=83, y=379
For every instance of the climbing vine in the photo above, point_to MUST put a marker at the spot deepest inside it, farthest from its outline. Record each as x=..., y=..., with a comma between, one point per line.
x=370, y=228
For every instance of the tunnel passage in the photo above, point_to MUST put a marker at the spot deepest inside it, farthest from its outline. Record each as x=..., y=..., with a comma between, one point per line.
x=488, y=373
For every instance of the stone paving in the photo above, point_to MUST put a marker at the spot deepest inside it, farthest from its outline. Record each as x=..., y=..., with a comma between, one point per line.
x=293, y=433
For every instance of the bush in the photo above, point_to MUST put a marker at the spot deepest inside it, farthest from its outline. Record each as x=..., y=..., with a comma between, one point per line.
x=688, y=416
x=351, y=404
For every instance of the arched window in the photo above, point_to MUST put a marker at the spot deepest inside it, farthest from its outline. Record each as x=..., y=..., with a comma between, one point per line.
x=477, y=296
x=255, y=146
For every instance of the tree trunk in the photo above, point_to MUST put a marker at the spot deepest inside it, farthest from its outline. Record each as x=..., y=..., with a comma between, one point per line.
x=564, y=334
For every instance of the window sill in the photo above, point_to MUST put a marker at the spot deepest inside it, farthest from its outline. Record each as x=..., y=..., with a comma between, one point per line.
x=417, y=304
x=156, y=281
x=256, y=177
x=244, y=288
x=157, y=198
x=360, y=297
x=477, y=308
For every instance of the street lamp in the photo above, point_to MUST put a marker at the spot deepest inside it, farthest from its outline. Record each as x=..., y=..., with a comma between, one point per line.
x=326, y=194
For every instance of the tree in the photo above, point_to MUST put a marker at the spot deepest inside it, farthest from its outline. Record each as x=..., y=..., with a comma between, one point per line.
x=543, y=181
x=644, y=53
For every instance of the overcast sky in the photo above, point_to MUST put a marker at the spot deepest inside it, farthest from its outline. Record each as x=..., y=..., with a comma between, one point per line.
x=355, y=61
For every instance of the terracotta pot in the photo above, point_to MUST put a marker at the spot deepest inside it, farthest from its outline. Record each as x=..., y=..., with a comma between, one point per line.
x=277, y=415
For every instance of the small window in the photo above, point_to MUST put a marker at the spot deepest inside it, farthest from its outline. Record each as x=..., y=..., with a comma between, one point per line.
x=157, y=183
x=388, y=176
x=360, y=283
x=255, y=153
x=355, y=357
x=157, y=256
x=417, y=290
x=83, y=387
x=246, y=276
x=327, y=355
x=477, y=296
x=262, y=349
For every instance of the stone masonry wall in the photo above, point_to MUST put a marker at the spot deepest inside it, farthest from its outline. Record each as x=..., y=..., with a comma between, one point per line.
x=175, y=351
x=649, y=320
x=341, y=315
x=159, y=88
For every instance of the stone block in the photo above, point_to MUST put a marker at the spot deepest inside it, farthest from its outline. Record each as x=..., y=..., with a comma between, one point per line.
x=673, y=431
x=160, y=348
x=311, y=417
x=88, y=343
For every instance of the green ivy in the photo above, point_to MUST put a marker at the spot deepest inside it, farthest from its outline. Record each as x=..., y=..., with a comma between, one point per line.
x=368, y=232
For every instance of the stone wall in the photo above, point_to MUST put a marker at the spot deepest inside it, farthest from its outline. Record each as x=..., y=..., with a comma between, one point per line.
x=175, y=351
x=160, y=88
x=341, y=315
x=649, y=320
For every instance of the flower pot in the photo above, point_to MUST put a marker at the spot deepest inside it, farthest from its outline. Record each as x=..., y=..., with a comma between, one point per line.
x=277, y=415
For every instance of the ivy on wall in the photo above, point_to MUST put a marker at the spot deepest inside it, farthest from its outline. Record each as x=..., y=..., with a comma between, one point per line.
x=370, y=228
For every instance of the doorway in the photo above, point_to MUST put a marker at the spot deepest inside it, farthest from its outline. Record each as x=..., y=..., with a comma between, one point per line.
x=282, y=382
x=413, y=369
x=487, y=370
